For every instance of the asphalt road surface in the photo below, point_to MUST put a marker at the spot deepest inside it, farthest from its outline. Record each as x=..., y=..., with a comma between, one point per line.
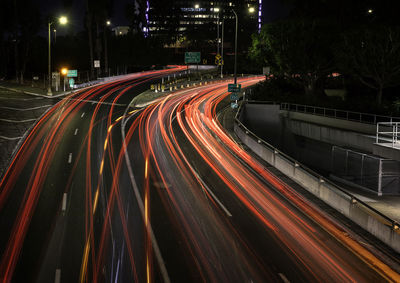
x=103, y=192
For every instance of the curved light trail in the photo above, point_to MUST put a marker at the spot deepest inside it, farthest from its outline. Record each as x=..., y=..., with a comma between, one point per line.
x=172, y=199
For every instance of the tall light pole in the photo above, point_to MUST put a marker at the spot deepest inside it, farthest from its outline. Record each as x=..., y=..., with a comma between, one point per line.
x=236, y=40
x=222, y=48
x=62, y=20
x=107, y=71
x=216, y=10
x=251, y=10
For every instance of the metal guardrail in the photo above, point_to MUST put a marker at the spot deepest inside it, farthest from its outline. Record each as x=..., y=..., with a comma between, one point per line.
x=367, y=118
x=393, y=135
x=394, y=224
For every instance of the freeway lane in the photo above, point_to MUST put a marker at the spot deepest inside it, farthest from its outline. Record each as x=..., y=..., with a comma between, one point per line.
x=217, y=215
x=50, y=193
x=103, y=192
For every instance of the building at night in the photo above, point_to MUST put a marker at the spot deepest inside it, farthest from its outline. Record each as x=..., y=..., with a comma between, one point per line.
x=178, y=18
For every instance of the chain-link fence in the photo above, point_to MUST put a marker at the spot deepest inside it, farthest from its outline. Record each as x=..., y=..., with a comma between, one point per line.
x=373, y=173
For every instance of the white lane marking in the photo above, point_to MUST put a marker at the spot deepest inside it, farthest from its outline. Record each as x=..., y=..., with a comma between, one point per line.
x=214, y=196
x=98, y=102
x=25, y=109
x=64, y=202
x=17, y=121
x=57, y=278
x=76, y=132
x=283, y=277
x=83, y=114
x=10, y=139
x=156, y=249
x=70, y=158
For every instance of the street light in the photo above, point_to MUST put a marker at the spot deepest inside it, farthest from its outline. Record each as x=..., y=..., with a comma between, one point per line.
x=62, y=20
x=216, y=10
x=196, y=6
x=236, y=39
x=108, y=24
x=64, y=72
x=251, y=10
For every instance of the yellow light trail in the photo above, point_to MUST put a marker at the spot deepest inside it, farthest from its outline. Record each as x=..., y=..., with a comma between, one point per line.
x=145, y=168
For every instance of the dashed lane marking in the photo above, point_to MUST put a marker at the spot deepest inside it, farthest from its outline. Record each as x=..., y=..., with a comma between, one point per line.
x=64, y=202
x=57, y=277
x=283, y=277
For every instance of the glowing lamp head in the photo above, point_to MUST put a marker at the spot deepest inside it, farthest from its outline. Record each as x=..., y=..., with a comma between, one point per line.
x=196, y=6
x=108, y=23
x=370, y=11
x=64, y=71
x=63, y=20
x=252, y=10
x=216, y=10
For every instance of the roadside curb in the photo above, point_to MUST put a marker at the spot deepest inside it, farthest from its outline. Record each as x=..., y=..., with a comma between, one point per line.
x=36, y=94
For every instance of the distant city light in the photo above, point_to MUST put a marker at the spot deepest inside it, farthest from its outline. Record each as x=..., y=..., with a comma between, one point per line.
x=146, y=32
x=252, y=10
x=196, y=6
x=370, y=11
x=259, y=15
x=108, y=22
x=216, y=10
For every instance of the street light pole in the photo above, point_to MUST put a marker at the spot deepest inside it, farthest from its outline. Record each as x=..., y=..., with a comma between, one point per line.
x=49, y=64
x=218, y=34
x=222, y=48
x=63, y=20
x=236, y=41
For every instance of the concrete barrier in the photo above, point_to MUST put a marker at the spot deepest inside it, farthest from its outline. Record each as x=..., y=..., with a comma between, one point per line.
x=379, y=225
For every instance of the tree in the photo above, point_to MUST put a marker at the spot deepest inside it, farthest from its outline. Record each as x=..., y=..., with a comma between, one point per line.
x=97, y=13
x=297, y=49
x=372, y=55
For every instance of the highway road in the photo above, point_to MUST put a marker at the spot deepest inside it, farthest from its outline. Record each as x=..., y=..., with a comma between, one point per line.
x=103, y=192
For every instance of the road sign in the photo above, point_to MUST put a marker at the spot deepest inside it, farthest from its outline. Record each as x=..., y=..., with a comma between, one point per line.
x=234, y=87
x=234, y=105
x=72, y=73
x=234, y=96
x=218, y=60
x=55, y=80
x=192, y=57
x=71, y=82
x=96, y=63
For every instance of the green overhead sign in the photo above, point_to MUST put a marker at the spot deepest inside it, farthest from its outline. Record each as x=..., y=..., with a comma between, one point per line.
x=72, y=73
x=234, y=87
x=192, y=57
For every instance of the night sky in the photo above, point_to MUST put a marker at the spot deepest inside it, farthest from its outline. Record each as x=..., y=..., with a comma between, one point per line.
x=272, y=9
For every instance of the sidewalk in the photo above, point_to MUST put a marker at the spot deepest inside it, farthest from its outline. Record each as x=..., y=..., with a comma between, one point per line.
x=19, y=111
x=26, y=89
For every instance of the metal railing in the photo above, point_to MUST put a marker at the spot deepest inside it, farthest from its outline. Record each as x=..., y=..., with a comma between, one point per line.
x=393, y=223
x=367, y=118
x=388, y=136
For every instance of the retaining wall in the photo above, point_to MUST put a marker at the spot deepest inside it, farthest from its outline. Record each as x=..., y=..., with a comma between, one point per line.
x=378, y=225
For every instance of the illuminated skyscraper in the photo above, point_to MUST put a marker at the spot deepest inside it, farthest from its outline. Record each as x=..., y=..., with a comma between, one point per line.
x=177, y=17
